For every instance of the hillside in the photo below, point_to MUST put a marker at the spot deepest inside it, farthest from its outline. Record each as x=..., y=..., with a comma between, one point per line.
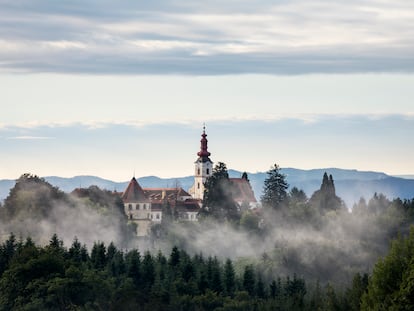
x=350, y=184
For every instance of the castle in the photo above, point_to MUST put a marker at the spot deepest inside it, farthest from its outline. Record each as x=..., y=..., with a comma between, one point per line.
x=147, y=206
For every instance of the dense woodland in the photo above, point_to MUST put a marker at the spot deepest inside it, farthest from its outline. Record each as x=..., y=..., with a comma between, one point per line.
x=296, y=253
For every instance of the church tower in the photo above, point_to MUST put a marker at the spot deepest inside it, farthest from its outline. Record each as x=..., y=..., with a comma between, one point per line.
x=203, y=168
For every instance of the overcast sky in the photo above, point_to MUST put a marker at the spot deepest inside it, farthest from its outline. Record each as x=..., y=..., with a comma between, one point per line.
x=109, y=87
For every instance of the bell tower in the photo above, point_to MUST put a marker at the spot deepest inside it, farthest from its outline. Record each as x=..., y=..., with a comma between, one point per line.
x=203, y=168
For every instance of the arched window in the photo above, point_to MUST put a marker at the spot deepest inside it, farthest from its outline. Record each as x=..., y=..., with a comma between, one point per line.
x=130, y=207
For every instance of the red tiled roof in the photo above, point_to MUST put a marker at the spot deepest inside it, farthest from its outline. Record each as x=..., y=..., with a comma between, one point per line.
x=134, y=193
x=242, y=190
x=165, y=193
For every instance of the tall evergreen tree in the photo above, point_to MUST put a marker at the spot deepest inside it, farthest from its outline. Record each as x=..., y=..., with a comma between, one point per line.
x=249, y=280
x=218, y=201
x=147, y=272
x=98, y=255
x=133, y=261
x=275, y=188
x=229, y=278
x=325, y=198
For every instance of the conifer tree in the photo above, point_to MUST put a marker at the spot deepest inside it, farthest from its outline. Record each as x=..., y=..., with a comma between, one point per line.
x=133, y=262
x=147, y=272
x=325, y=198
x=249, y=281
x=229, y=278
x=98, y=255
x=218, y=201
x=275, y=188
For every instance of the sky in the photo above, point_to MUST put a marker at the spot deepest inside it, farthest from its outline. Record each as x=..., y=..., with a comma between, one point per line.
x=109, y=88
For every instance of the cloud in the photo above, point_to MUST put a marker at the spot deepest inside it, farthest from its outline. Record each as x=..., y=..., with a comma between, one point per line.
x=29, y=138
x=209, y=38
x=196, y=122
x=112, y=149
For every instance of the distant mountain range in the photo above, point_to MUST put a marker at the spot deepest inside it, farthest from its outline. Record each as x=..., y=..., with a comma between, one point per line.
x=350, y=185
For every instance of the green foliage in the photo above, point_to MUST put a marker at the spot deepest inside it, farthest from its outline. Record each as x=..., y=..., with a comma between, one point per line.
x=32, y=196
x=356, y=291
x=275, y=188
x=218, y=201
x=391, y=284
x=325, y=198
x=55, y=278
x=249, y=221
x=229, y=278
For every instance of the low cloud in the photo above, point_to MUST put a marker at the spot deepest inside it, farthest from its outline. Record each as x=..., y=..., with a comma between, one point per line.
x=295, y=37
x=29, y=138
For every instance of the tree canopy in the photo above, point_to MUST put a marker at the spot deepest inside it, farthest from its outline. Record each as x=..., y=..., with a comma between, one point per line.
x=275, y=188
x=218, y=201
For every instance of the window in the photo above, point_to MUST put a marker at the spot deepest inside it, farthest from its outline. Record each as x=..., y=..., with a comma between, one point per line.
x=145, y=206
x=137, y=206
x=198, y=171
x=198, y=185
x=130, y=206
x=208, y=171
x=158, y=216
x=130, y=216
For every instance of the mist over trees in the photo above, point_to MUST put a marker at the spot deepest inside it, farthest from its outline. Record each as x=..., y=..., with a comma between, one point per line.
x=313, y=249
x=54, y=277
x=37, y=209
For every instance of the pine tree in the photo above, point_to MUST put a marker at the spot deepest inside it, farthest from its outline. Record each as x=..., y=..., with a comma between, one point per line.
x=147, y=272
x=325, y=198
x=249, y=280
x=75, y=251
x=174, y=257
x=133, y=262
x=229, y=278
x=98, y=255
x=275, y=188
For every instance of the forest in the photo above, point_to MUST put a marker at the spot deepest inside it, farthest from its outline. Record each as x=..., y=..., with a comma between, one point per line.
x=77, y=251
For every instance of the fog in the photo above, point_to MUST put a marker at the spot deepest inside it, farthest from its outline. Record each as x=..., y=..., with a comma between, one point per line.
x=327, y=246
x=34, y=208
x=333, y=249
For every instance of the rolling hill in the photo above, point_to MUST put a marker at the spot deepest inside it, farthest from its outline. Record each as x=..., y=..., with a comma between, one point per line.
x=350, y=184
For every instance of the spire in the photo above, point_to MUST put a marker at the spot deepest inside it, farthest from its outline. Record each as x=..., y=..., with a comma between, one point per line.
x=134, y=193
x=203, y=153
